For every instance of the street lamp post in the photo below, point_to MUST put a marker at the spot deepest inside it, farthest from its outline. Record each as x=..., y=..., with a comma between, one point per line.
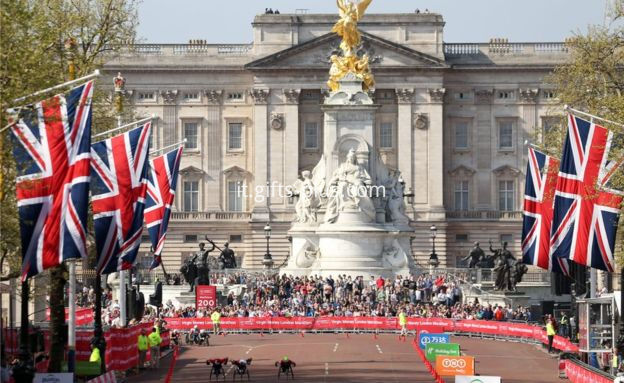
x=267, y=261
x=433, y=257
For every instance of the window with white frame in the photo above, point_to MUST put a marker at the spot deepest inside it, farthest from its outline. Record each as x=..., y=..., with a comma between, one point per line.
x=235, y=136
x=505, y=134
x=505, y=95
x=235, y=96
x=190, y=134
x=191, y=195
x=462, y=96
x=147, y=96
x=385, y=135
x=461, y=195
x=191, y=96
x=461, y=135
x=506, y=195
x=310, y=135
x=235, y=196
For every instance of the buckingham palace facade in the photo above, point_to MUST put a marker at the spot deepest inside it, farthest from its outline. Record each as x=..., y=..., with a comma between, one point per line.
x=452, y=117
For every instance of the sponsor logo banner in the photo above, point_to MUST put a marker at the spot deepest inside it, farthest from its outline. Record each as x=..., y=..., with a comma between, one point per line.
x=454, y=365
x=426, y=338
x=477, y=379
x=432, y=350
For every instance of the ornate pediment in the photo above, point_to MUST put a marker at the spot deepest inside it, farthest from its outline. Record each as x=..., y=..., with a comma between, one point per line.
x=191, y=171
x=315, y=54
x=235, y=172
x=506, y=171
x=462, y=171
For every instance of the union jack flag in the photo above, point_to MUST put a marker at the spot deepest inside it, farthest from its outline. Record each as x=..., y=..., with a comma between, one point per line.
x=161, y=186
x=539, y=194
x=585, y=213
x=118, y=192
x=52, y=155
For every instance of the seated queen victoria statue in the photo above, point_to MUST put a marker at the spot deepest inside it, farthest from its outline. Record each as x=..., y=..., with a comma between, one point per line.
x=348, y=189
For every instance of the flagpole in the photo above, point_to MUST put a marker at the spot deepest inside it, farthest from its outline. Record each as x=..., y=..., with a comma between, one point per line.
x=120, y=82
x=168, y=146
x=96, y=73
x=120, y=127
x=575, y=111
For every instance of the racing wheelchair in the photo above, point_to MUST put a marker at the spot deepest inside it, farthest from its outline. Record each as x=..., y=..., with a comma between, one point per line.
x=241, y=368
x=217, y=368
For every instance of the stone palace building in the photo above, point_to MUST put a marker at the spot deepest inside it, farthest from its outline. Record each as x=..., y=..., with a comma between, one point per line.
x=453, y=119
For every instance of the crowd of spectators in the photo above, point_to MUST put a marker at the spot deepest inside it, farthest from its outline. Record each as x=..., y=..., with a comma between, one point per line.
x=288, y=296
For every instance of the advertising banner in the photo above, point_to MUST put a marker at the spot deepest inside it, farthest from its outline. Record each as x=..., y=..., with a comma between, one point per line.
x=425, y=338
x=205, y=297
x=477, y=379
x=454, y=365
x=432, y=350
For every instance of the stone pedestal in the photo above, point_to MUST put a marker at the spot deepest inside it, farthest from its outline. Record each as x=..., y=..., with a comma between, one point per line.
x=513, y=299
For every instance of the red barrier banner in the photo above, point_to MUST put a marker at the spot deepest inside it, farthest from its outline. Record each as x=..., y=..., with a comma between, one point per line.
x=577, y=374
x=84, y=316
x=205, y=297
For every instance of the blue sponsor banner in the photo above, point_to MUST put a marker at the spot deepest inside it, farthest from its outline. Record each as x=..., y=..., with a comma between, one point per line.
x=426, y=338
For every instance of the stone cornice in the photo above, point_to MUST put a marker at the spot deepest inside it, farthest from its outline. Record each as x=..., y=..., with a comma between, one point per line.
x=291, y=96
x=528, y=95
x=437, y=94
x=213, y=96
x=405, y=95
x=169, y=96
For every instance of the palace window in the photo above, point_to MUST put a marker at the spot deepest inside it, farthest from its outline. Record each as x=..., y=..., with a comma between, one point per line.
x=190, y=134
x=385, y=135
x=235, y=96
x=310, y=135
x=461, y=237
x=147, y=96
x=235, y=196
x=505, y=134
x=461, y=195
x=191, y=96
x=505, y=95
x=506, y=195
x=461, y=135
x=191, y=195
x=506, y=238
x=549, y=94
x=236, y=238
x=190, y=238
x=462, y=96
x=235, y=136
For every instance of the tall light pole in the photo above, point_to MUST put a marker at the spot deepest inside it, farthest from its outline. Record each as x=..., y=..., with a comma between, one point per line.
x=433, y=257
x=267, y=261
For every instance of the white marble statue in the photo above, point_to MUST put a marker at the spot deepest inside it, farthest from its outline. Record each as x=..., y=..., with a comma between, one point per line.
x=348, y=189
x=395, y=191
x=308, y=200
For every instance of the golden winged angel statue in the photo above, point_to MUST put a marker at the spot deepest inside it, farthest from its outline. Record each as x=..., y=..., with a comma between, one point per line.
x=346, y=27
x=350, y=13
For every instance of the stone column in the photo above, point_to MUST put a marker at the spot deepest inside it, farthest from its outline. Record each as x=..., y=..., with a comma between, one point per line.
x=291, y=133
x=436, y=153
x=170, y=116
x=404, y=135
x=211, y=149
x=525, y=126
x=261, y=145
x=483, y=147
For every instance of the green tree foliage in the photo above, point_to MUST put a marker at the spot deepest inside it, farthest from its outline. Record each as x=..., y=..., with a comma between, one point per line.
x=33, y=56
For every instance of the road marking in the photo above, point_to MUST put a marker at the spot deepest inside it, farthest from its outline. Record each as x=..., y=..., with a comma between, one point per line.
x=248, y=351
x=336, y=347
x=229, y=369
x=326, y=368
x=379, y=349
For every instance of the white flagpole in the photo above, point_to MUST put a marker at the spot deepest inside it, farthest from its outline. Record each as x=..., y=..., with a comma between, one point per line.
x=168, y=146
x=575, y=111
x=96, y=73
x=71, y=339
x=120, y=127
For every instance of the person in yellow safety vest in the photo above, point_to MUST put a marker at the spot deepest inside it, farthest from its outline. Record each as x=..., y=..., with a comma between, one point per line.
x=550, y=332
x=216, y=321
x=154, y=343
x=95, y=355
x=403, y=324
x=143, y=345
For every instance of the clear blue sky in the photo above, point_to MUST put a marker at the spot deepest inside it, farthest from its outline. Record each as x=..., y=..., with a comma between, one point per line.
x=229, y=21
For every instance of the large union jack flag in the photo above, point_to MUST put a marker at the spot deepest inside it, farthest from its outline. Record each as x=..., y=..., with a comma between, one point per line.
x=161, y=186
x=539, y=195
x=118, y=190
x=52, y=156
x=586, y=213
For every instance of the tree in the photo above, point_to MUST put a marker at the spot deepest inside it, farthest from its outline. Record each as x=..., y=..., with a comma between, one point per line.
x=32, y=57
